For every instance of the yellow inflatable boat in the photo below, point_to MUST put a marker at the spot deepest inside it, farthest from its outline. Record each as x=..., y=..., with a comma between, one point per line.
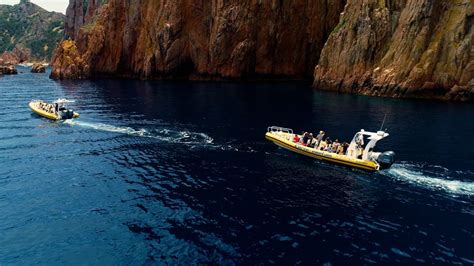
x=355, y=155
x=57, y=110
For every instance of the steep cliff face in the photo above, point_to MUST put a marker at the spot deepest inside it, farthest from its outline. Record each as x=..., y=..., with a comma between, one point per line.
x=230, y=39
x=405, y=48
x=78, y=13
x=398, y=48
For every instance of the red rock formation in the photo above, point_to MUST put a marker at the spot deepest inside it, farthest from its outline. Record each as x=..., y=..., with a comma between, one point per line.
x=78, y=13
x=74, y=18
x=202, y=38
x=9, y=58
x=19, y=54
x=38, y=68
x=399, y=48
x=23, y=54
x=410, y=48
x=8, y=70
x=68, y=62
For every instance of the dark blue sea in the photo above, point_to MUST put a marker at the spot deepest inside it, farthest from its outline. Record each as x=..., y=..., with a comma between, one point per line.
x=162, y=172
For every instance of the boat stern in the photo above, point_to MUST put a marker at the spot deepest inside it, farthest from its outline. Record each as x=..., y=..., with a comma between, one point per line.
x=386, y=159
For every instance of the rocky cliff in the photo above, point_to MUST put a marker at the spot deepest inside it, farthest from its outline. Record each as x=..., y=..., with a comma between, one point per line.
x=68, y=63
x=405, y=48
x=400, y=48
x=28, y=32
x=183, y=38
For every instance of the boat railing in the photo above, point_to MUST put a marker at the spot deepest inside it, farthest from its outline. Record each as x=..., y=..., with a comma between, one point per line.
x=275, y=129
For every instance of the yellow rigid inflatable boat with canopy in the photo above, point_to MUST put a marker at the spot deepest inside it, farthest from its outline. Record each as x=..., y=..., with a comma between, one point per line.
x=356, y=155
x=57, y=110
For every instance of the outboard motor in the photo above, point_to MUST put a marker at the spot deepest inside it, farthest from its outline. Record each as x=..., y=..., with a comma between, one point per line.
x=66, y=114
x=386, y=159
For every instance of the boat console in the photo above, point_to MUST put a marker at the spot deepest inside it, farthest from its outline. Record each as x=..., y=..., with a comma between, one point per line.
x=62, y=110
x=357, y=150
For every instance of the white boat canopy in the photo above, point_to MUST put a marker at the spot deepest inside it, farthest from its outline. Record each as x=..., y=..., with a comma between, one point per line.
x=63, y=101
x=356, y=147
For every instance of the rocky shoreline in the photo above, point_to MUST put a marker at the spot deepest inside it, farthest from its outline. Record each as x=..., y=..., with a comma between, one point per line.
x=417, y=49
x=11, y=69
x=8, y=70
x=456, y=93
x=10, y=60
x=38, y=68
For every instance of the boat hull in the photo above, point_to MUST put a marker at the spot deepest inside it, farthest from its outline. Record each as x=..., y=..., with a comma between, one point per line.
x=284, y=142
x=35, y=108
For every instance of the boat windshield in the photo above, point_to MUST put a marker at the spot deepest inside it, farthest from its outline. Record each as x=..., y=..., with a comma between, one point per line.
x=62, y=103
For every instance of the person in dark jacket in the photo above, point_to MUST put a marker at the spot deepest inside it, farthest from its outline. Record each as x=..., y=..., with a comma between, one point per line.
x=305, y=138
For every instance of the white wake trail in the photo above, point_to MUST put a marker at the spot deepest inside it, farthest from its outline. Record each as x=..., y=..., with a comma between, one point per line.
x=108, y=128
x=440, y=180
x=164, y=135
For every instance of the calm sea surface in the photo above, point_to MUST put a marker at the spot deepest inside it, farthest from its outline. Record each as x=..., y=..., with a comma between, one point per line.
x=180, y=173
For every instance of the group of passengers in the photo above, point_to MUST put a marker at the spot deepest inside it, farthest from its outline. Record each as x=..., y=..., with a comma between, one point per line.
x=322, y=143
x=48, y=107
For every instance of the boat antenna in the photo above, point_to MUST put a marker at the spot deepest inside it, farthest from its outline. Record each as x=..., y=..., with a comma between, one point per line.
x=383, y=122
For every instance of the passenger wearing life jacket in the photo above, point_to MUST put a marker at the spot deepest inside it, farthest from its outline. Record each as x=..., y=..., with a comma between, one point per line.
x=296, y=139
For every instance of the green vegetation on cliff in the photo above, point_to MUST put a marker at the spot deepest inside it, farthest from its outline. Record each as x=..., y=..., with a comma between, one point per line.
x=30, y=28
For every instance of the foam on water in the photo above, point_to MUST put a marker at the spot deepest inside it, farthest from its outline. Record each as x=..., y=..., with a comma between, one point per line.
x=435, y=178
x=164, y=135
x=108, y=128
x=196, y=140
